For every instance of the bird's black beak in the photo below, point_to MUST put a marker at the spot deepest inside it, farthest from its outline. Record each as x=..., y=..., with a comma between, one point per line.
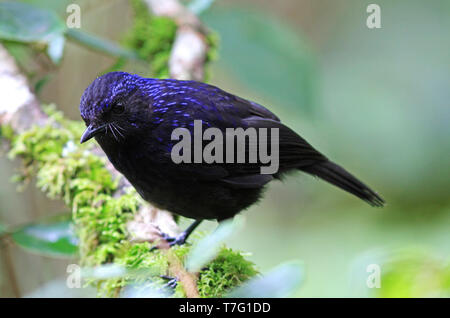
x=90, y=132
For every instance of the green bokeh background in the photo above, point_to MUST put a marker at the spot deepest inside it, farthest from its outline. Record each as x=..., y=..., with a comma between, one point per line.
x=375, y=101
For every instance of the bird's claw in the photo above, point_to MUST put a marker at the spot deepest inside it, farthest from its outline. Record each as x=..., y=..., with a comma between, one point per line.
x=172, y=282
x=181, y=238
x=171, y=240
x=177, y=240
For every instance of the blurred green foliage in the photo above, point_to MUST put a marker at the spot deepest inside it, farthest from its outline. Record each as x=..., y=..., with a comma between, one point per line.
x=385, y=95
x=199, y=6
x=152, y=38
x=266, y=55
x=2, y=229
x=414, y=273
x=50, y=237
x=99, y=44
x=24, y=23
x=269, y=286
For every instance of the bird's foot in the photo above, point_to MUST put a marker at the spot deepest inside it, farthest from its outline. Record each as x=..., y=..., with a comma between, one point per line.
x=181, y=238
x=172, y=240
x=177, y=240
x=171, y=282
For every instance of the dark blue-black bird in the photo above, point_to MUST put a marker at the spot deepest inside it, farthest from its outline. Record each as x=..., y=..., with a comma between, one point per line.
x=132, y=118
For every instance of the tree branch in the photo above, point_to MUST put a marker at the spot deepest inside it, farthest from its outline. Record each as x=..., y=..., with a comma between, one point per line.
x=189, y=50
x=20, y=110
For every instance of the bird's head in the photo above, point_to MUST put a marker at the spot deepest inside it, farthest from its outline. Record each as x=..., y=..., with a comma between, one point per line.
x=113, y=107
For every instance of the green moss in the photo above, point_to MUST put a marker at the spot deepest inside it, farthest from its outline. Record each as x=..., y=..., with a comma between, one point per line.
x=67, y=170
x=6, y=132
x=152, y=38
x=229, y=269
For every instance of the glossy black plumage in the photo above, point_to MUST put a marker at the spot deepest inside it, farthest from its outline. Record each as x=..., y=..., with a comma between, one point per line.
x=132, y=118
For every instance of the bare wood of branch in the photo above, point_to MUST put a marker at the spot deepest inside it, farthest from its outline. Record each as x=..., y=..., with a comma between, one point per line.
x=19, y=108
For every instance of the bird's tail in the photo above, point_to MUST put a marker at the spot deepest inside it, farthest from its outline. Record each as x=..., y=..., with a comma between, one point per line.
x=337, y=176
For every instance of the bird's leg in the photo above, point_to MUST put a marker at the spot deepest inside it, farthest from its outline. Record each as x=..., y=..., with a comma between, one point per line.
x=182, y=237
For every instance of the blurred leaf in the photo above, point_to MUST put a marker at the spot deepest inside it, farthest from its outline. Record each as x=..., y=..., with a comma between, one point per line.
x=39, y=85
x=208, y=248
x=20, y=51
x=414, y=273
x=25, y=56
x=147, y=287
x=50, y=237
x=58, y=6
x=144, y=290
x=104, y=271
x=55, y=48
x=58, y=289
x=110, y=270
x=99, y=44
x=199, y=6
x=265, y=55
x=26, y=23
x=282, y=281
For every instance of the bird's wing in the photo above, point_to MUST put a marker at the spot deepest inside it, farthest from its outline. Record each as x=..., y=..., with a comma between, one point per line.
x=217, y=108
x=293, y=152
x=249, y=109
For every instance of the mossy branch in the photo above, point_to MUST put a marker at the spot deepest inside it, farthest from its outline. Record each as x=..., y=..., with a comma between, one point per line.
x=113, y=224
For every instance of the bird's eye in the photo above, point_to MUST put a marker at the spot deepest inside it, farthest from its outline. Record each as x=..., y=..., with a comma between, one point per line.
x=118, y=108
